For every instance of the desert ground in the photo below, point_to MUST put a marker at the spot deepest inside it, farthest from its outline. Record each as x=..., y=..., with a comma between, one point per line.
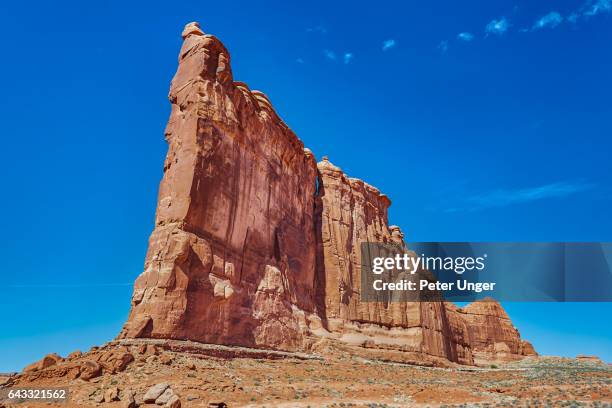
x=120, y=374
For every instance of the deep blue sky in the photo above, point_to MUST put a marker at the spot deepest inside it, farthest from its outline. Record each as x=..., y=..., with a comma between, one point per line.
x=482, y=120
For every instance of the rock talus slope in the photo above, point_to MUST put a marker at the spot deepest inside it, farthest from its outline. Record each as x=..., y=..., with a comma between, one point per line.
x=256, y=244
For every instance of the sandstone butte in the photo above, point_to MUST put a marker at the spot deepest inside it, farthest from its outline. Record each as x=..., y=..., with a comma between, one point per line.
x=256, y=244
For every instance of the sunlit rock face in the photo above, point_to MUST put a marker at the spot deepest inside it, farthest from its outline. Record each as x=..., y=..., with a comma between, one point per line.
x=232, y=256
x=256, y=244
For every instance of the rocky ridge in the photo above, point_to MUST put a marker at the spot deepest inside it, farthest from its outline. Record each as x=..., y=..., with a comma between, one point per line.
x=256, y=244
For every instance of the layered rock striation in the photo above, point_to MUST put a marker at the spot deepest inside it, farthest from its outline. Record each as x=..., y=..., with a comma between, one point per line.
x=256, y=244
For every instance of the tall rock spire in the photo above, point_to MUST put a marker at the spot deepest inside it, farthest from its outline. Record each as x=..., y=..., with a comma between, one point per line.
x=232, y=256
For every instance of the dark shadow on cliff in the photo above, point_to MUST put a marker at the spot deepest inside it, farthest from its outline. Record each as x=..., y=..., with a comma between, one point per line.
x=320, y=278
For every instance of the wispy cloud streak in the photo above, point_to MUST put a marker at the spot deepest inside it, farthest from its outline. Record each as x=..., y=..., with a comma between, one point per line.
x=572, y=18
x=317, y=29
x=329, y=55
x=467, y=37
x=595, y=7
x=388, y=44
x=497, y=27
x=550, y=20
x=506, y=197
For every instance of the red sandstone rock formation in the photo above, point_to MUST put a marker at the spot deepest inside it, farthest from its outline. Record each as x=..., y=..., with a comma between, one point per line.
x=46, y=362
x=350, y=212
x=492, y=336
x=232, y=256
x=247, y=251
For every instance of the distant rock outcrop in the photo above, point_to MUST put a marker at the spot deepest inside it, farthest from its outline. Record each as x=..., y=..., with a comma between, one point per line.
x=255, y=244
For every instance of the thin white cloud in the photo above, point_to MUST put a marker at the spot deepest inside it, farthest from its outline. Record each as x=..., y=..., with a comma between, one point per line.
x=589, y=9
x=504, y=197
x=329, y=55
x=465, y=36
x=443, y=46
x=497, y=27
x=550, y=20
x=594, y=7
x=348, y=56
x=572, y=18
x=388, y=44
x=317, y=29
x=299, y=60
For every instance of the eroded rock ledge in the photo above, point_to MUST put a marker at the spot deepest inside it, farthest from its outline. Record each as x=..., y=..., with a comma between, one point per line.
x=255, y=244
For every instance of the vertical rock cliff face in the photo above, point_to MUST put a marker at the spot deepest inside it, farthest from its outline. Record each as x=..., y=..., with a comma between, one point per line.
x=232, y=256
x=492, y=336
x=255, y=244
x=350, y=212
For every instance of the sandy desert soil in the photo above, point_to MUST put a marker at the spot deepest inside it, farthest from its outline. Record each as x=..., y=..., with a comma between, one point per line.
x=250, y=378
